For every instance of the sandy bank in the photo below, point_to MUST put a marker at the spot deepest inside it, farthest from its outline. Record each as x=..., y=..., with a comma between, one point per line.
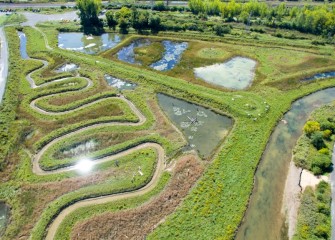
x=291, y=198
x=297, y=180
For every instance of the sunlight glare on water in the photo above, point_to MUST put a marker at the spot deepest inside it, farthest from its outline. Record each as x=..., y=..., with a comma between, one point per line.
x=84, y=165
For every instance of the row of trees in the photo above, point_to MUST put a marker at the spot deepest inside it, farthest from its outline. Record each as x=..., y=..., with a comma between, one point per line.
x=311, y=19
x=139, y=20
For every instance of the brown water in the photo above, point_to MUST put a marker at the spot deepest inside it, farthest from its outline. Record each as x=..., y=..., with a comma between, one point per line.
x=264, y=219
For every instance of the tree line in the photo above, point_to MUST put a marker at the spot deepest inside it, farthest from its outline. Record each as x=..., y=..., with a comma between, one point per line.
x=139, y=20
x=309, y=19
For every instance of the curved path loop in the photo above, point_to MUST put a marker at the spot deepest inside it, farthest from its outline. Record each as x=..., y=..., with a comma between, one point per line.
x=97, y=200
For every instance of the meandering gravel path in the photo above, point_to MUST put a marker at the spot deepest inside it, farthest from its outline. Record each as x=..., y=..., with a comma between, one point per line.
x=97, y=200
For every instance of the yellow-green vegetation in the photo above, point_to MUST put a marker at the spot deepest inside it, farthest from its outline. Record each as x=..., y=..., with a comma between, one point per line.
x=212, y=53
x=13, y=18
x=314, y=216
x=149, y=54
x=314, y=148
x=215, y=206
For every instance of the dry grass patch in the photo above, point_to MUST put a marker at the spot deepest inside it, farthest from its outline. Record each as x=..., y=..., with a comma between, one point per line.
x=139, y=222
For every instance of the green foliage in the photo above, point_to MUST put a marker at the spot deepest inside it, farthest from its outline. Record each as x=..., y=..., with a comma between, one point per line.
x=324, y=151
x=154, y=23
x=14, y=18
x=310, y=127
x=317, y=140
x=123, y=17
x=311, y=151
x=321, y=163
x=220, y=30
x=140, y=20
x=314, y=219
x=311, y=19
x=211, y=198
x=8, y=130
x=159, y=6
x=327, y=134
x=111, y=21
x=88, y=13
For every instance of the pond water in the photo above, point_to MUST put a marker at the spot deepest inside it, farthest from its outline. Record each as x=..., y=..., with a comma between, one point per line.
x=23, y=45
x=127, y=54
x=69, y=67
x=172, y=55
x=237, y=73
x=320, y=76
x=264, y=219
x=119, y=84
x=202, y=128
x=88, y=44
x=83, y=148
x=4, y=213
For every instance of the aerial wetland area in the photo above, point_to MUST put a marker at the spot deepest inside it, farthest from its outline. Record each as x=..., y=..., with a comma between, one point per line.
x=170, y=122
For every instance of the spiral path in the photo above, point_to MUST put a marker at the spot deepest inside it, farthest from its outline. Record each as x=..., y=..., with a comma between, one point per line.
x=97, y=200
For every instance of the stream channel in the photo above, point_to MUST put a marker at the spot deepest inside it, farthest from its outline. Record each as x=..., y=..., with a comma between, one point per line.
x=264, y=219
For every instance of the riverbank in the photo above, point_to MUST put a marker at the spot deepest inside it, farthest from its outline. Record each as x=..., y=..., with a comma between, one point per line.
x=296, y=182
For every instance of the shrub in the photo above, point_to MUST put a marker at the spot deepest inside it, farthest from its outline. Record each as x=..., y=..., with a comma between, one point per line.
x=311, y=127
x=320, y=164
x=220, y=30
x=324, y=151
x=317, y=140
x=327, y=134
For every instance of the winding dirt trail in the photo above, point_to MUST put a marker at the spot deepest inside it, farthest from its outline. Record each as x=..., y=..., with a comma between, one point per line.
x=54, y=225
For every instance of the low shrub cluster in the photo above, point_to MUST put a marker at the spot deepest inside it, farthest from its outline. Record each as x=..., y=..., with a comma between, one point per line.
x=314, y=216
x=313, y=149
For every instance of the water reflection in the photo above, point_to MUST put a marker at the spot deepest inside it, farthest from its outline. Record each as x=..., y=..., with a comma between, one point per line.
x=119, y=84
x=23, y=45
x=84, y=166
x=202, y=128
x=4, y=212
x=88, y=44
x=320, y=76
x=264, y=219
x=172, y=55
x=127, y=54
x=237, y=73
x=69, y=67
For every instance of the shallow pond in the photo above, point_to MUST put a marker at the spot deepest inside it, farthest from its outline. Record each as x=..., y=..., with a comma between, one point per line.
x=88, y=44
x=119, y=84
x=69, y=67
x=264, y=219
x=202, y=128
x=172, y=55
x=127, y=54
x=23, y=45
x=237, y=73
x=4, y=213
x=81, y=149
x=320, y=76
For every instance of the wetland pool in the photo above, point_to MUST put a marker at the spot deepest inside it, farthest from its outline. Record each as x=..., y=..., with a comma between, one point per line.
x=127, y=54
x=202, y=128
x=23, y=45
x=323, y=75
x=79, y=42
x=4, y=214
x=237, y=73
x=68, y=67
x=171, y=56
x=119, y=84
